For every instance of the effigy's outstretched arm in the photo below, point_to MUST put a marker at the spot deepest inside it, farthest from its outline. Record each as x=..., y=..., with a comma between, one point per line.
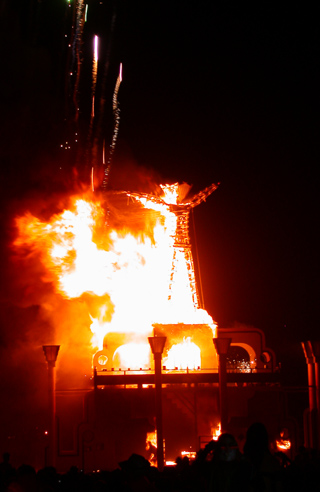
x=141, y=196
x=202, y=195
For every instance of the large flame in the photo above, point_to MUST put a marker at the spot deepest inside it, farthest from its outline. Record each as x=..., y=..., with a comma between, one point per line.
x=122, y=276
x=184, y=355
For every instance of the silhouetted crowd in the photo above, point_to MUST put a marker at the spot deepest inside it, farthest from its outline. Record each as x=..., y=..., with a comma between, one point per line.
x=219, y=467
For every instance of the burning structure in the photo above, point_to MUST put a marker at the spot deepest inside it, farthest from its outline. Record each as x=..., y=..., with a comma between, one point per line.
x=116, y=271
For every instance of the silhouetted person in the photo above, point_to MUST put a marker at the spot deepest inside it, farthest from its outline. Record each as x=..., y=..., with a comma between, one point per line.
x=138, y=476
x=227, y=471
x=6, y=471
x=47, y=479
x=304, y=472
x=264, y=469
x=25, y=480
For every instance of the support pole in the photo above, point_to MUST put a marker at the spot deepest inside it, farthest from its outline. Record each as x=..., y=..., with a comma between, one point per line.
x=222, y=346
x=158, y=384
x=316, y=354
x=312, y=436
x=312, y=348
x=157, y=346
x=51, y=354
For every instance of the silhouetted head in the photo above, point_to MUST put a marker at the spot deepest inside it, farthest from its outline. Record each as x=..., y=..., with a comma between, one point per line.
x=257, y=440
x=227, y=447
x=136, y=464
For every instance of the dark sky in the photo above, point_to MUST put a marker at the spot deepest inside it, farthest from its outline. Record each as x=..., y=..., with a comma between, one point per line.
x=210, y=93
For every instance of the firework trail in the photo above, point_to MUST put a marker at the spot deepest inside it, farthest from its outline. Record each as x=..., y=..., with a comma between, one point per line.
x=106, y=70
x=98, y=129
x=94, y=78
x=116, y=114
x=73, y=62
x=94, y=149
x=76, y=43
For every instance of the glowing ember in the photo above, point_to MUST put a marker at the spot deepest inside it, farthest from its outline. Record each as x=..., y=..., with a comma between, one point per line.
x=127, y=281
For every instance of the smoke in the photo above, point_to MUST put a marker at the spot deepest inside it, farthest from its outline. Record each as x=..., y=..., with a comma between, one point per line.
x=127, y=174
x=31, y=307
x=32, y=315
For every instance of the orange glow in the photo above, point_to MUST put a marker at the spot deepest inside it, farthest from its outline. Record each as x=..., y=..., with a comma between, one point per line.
x=121, y=277
x=189, y=454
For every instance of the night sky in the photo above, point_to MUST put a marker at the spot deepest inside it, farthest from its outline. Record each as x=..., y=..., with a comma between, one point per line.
x=210, y=93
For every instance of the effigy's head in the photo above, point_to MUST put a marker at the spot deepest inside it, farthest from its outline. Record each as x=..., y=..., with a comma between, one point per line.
x=175, y=193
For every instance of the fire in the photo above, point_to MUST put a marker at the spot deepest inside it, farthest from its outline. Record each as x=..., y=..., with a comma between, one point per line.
x=283, y=444
x=183, y=355
x=151, y=447
x=216, y=432
x=133, y=355
x=189, y=454
x=128, y=281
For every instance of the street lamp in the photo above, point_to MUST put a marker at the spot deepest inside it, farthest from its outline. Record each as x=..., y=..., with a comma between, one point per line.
x=222, y=347
x=157, y=345
x=51, y=354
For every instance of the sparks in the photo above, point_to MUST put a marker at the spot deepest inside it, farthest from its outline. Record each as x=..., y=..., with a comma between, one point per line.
x=116, y=114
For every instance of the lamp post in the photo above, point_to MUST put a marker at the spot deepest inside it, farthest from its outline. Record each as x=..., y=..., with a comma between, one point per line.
x=316, y=353
x=51, y=354
x=157, y=345
x=222, y=346
x=311, y=350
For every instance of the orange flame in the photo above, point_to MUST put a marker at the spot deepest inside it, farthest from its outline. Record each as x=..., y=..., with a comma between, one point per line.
x=216, y=432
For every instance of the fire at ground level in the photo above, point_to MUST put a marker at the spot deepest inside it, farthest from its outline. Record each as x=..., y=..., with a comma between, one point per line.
x=99, y=426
